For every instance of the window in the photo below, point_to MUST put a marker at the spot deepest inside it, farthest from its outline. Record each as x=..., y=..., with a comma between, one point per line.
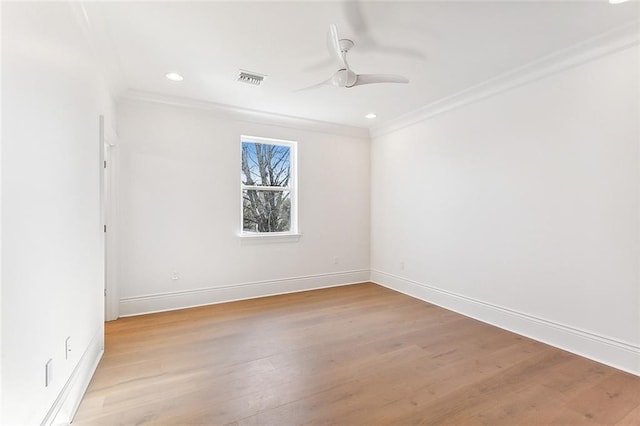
x=268, y=185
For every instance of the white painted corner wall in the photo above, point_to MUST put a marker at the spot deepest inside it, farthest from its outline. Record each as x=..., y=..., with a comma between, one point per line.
x=517, y=205
x=521, y=208
x=52, y=241
x=1, y=257
x=179, y=208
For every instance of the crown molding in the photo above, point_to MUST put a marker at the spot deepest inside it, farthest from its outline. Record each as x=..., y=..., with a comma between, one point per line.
x=102, y=47
x=250, y=115
x=612, y=41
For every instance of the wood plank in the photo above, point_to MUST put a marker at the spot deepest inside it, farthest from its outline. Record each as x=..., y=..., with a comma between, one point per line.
x=359, y=354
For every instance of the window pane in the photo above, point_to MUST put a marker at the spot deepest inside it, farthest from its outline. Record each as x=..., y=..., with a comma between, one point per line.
x=265, y=165
x=266, y=211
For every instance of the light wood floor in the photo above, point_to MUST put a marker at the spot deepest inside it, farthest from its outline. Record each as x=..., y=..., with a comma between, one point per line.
x=354, y=355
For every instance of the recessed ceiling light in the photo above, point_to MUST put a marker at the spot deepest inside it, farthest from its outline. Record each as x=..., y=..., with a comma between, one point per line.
x=616, y=1
x=370, y=116
x=174, y=76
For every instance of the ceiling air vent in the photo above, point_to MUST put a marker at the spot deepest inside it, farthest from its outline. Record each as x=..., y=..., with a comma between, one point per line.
x=250, y=77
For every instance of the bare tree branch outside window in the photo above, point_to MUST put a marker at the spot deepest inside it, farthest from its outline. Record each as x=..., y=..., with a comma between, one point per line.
x=266, y=174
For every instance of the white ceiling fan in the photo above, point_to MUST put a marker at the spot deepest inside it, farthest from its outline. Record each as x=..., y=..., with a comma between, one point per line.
x=345, y=77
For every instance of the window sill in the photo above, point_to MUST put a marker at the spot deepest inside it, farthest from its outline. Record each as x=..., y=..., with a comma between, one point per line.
x=269, y=238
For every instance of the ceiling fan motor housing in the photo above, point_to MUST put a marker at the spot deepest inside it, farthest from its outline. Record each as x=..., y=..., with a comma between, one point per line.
x=344, y=78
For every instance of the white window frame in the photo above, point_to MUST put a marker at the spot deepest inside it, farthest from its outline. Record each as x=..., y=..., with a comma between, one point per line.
x=292, y=189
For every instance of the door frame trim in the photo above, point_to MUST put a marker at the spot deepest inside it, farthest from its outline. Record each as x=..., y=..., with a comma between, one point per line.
x=109, y=153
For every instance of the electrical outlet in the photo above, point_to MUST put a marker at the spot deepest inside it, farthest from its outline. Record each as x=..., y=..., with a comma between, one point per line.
x=336, y=260
x=175, y=276
x=402, y=265
x=67, y=348
x=48, y=373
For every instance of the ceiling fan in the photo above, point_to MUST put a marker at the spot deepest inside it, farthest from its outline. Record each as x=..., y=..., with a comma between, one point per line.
x=345, y=77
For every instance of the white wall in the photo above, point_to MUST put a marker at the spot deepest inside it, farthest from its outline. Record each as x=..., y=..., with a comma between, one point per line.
x=52, y=273
x=523, y=209
x=1, y=350
x=179, y=210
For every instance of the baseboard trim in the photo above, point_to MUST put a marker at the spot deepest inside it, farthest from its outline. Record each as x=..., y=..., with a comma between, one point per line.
x=130, y=306
x=65, y=406
x=606, y=350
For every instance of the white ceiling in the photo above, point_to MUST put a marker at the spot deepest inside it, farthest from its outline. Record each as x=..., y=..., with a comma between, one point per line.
x=442, y=47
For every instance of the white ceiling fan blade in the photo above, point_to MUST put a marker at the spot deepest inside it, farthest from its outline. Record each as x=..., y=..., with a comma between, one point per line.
x=378, y=78
x=328, y=82
x=353, y=12
x=333, y=44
